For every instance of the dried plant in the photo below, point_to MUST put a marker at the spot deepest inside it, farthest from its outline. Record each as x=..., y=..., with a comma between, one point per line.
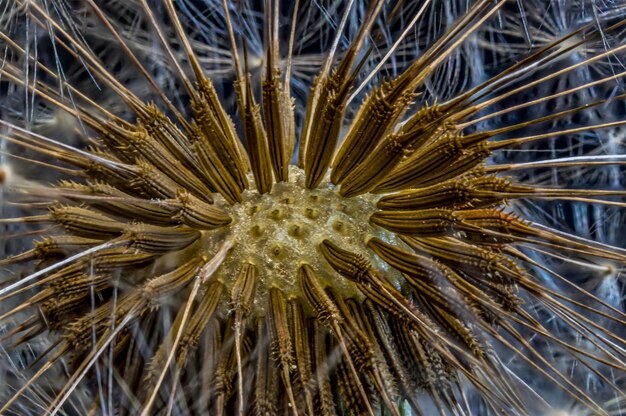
x=183, y=265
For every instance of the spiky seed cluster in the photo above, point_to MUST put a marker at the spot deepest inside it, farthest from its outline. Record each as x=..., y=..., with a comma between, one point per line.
x=288, y=293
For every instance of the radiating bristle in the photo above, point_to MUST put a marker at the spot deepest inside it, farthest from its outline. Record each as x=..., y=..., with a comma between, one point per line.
x=417, y=260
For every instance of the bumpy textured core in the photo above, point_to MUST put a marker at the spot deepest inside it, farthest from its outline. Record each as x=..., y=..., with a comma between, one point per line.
x=280, y=230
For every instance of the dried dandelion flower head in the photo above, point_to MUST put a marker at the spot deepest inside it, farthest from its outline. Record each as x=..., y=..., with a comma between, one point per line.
x=184, y=265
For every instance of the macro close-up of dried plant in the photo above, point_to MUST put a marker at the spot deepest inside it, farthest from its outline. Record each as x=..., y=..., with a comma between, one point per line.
x=312, y=207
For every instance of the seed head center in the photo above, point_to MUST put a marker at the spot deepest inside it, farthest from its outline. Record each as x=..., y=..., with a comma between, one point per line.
x=280, y=230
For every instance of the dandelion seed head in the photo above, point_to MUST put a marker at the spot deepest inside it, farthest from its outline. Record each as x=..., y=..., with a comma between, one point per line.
x=343, y=243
